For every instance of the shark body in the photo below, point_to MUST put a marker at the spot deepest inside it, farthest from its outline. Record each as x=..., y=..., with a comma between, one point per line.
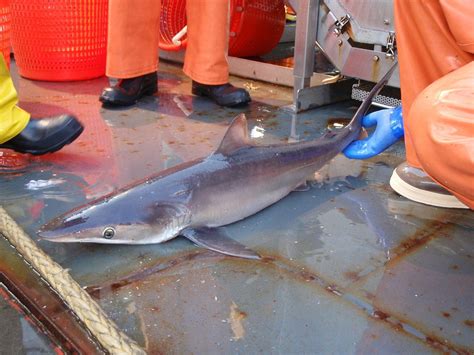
x=195, y=198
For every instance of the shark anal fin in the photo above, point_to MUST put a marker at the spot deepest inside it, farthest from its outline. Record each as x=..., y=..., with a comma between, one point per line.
x=216, y=240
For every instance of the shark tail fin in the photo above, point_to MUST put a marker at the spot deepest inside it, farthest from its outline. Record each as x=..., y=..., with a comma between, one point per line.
x=364, y=107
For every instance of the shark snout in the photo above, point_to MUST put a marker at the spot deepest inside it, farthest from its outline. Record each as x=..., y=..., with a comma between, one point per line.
x=59, y=228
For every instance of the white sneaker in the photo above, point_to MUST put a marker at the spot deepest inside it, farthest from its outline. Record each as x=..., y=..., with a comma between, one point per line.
x=416, y=185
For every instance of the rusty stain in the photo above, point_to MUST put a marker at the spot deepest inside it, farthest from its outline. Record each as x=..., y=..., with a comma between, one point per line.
x=235, y=318
x=398, y=326
x=420, y=238
x=375, y=70
x=380, y=315
x=446, y=314
x=272, y=124
x=369, y=295
x=352, y=275
x=454, y=267
x=147, y=271
x=469, y=322
x=444, y=346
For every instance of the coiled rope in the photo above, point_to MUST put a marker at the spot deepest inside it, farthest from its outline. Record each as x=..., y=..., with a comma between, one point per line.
x=78, y=300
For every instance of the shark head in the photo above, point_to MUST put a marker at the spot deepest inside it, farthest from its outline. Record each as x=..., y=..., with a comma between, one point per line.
x=115, y=221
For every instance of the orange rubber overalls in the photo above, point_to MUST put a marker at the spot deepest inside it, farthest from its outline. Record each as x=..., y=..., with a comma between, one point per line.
x=134, y=34
x=435, y=42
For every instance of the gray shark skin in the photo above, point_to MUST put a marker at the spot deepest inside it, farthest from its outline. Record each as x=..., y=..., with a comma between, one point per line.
x=194, y=198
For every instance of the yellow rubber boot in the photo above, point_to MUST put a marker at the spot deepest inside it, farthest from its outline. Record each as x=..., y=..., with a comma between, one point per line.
x=12, y=118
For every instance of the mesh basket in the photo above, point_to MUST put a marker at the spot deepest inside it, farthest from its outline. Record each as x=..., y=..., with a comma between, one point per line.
x=256, y=26
x=60, y=40
x=5, y=29
x=173, y=19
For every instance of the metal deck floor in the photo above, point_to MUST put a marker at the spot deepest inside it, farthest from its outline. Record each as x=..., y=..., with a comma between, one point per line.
x=350, y=267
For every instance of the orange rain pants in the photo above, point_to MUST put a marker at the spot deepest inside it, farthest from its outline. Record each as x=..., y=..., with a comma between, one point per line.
x=134, y=35
x=436, y=52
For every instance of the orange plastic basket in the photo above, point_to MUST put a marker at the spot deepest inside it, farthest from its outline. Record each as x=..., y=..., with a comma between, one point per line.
x=60, y=40
x=173, y=19
x=256, y=26
x=5, y=29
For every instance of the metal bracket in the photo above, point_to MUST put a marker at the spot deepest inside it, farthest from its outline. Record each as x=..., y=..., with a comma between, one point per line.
x=340, y=24
x=390, y=45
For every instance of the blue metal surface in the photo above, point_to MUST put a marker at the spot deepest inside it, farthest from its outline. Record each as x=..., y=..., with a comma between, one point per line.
x=349, y=267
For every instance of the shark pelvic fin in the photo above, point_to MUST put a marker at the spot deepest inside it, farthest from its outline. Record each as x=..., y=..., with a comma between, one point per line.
x=216, y=240
x=302, y=187
x=236, y=136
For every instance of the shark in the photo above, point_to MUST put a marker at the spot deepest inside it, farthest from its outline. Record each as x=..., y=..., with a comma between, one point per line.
x=196, y=198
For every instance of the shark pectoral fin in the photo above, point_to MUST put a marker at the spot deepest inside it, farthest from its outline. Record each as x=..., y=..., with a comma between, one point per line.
x=302, y=187
x=216, y=240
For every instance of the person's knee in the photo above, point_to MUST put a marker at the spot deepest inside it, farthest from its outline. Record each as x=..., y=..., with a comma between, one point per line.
x=441, y=125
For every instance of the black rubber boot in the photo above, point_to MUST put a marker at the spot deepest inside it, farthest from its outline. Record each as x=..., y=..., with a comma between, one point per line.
x=47, y=135
x=128, y=91
x=224, y=95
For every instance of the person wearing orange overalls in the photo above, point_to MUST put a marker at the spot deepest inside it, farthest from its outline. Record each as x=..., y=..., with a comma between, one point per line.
x=24, y=135
x=435, y=54
x=133, y=46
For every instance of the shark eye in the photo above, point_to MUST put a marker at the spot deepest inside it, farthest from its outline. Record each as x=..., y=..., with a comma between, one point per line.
x=108, y=233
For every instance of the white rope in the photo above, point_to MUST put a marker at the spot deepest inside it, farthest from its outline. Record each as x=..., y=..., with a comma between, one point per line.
x=78, y=300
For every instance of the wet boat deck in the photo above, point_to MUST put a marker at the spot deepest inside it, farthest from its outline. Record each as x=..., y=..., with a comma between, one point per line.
x=349, y=267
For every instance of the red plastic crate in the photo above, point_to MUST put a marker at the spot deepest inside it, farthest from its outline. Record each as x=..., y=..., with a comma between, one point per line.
x=256, y=26
x=5, y=24
x=60, y=40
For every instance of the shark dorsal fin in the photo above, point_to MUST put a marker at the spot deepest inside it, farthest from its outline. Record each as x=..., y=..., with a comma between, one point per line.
x=236, y=136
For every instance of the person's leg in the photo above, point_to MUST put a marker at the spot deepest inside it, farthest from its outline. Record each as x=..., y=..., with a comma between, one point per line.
x=22, y=134
x=429, y=47
x=206, y=53
x=132, y=50
x=427, y=50
x=208, y=38
x=443, y=132
x=12, y=118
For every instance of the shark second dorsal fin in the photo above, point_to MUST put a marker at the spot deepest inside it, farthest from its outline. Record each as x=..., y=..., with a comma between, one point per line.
x=236, y=136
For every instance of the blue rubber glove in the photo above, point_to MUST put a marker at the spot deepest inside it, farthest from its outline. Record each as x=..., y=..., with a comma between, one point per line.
x=389, y=129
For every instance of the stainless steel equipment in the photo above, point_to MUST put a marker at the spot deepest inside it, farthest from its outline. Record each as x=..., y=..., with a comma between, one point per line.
x=358, y=37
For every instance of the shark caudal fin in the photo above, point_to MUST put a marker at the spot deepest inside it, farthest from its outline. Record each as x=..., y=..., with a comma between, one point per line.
x=364, y=107
x=236, y=136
